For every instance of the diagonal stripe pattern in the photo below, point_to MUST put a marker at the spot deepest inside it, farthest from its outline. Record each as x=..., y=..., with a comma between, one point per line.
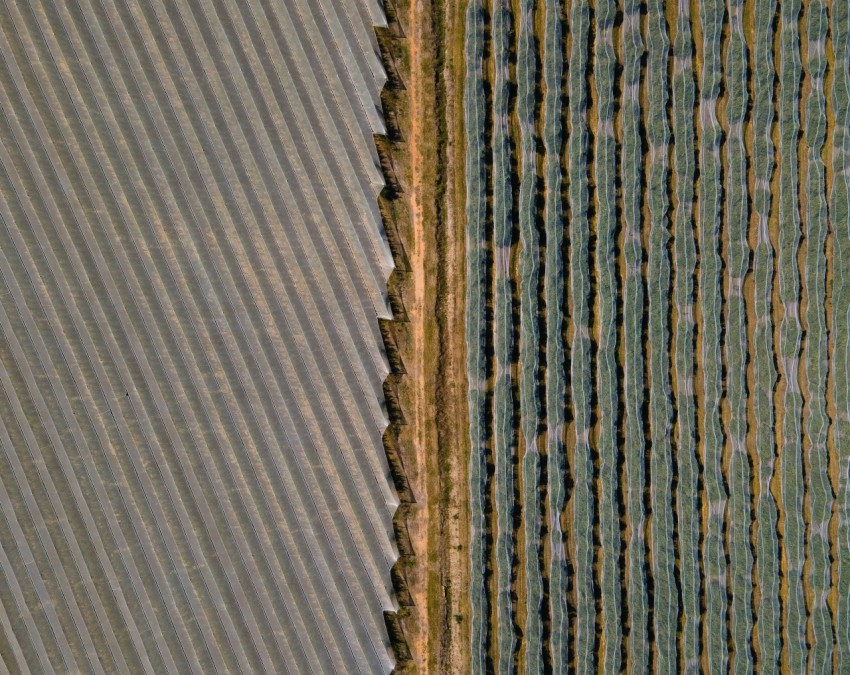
x=192, y=269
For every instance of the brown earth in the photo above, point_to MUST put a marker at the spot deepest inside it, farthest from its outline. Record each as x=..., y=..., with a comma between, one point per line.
x=434, y=442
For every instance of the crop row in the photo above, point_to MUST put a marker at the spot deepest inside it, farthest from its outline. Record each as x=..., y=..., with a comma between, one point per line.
x=476, y=325
x=840, y=333
x=666, y=606
x=768, y=616
x=529, y=269
x=503, y=332
x=819, y=488
x=738, y=260
x=632, y=49
x=553, y=67
x=606, y=357
x=581, y=376
x=710, y=213
x=687, y=466
x=790, y=332
x=685, y=252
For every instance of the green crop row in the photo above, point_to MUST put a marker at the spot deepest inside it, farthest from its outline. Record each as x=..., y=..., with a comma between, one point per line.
x=738, y=254
x=840, y=333
x=476, y=325
x=710, y=213
x=687, y=498
x=666, y=606
x=817, y=424
x=632, y=49
x=606, y=357
x=768, y=616
x=553, y=66
x=790, y=332
x=529, y=267
x=503, y=329
x=580, y=366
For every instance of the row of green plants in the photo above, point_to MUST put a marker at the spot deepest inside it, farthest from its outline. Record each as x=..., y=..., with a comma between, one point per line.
x=606, y=357
x=581, y=375
x=840, y=333
x=555, y=285
x=503, y=333
x=769, y=612
x=632, y=50
x=476, y=326
x=819, y=488
x=687, y=465
x=666, y=605
x=790, y=332
x=737, y=265
x=710, y=215
x=529, y=270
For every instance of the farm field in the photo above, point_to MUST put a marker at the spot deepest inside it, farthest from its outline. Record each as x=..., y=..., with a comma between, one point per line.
x=657, y=319
x=434, y=336
x=198, y=470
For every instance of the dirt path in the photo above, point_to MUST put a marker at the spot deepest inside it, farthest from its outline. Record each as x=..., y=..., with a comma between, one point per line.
x=450, y=283
x=435, y=395
x=419, y=524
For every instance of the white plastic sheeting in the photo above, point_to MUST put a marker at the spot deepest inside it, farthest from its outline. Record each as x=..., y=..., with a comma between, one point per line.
x=192, y=476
